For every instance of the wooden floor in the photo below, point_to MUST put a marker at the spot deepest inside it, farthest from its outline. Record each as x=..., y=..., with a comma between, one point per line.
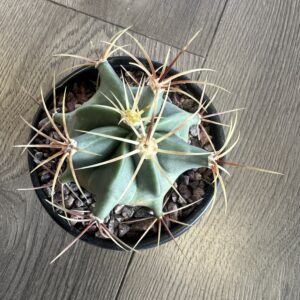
x=253, y=251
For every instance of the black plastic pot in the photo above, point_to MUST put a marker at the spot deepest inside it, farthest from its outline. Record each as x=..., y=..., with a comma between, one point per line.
x=149, y=241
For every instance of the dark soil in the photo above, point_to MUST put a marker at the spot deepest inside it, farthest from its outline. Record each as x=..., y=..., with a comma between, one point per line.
x=192, y=184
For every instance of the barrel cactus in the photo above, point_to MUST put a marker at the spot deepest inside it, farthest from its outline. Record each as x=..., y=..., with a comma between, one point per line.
x=135, y=142
x=128, y=144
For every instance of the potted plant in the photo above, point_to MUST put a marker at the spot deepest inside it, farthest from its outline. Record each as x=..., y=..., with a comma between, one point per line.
x=126, y=153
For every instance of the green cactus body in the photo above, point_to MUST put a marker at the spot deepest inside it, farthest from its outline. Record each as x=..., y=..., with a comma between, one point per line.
x=121, y=118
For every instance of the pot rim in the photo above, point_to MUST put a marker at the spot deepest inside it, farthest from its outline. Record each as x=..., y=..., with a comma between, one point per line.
x=148, y=241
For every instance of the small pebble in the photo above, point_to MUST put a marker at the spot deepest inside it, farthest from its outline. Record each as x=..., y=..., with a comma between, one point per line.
x=141, y=226
x=55, y=135
x=66, y=191
x=73, y=187
x=208, y=172
x=118, y=208
x=181, y=200
x=142, y=213
x=201, y=170
x=193, y=109
x=207, y=175
x=85, y=196
x=198, y=193
x=111, y=226
x=198, y=176
x=208, y=148
x=69, y=201
x=194, y=130
x=187, y=104
x=89, y=201
x=45, y=177
x=195, y=142
x=203, y=138
x=48, y=191
x=119, y=218
x=173, y=206
x=127, y=212
x=59, y=211
x=39, y=156
x=186, y=212
x=185, y=179
x=174, y=197
x=191, y=174
x=201, y=184
x=184, y=191
x=44, y=122
x=106, y=220
x=123, y=229
x=167, y=222
x=194, y=184
x=73, y=221
x=79, y=203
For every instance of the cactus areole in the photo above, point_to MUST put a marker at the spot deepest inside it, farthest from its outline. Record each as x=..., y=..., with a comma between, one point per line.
x=135, y=141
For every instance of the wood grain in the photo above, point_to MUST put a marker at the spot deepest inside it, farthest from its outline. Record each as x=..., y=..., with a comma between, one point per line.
x=31, y=31
x=168, y=21
x=252, y=252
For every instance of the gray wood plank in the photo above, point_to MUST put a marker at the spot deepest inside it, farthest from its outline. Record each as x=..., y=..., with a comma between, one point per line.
x=252, y=252
x=31, y=32
x=169, y=21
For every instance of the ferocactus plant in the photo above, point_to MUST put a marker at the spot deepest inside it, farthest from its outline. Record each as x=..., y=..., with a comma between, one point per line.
x=128, y=145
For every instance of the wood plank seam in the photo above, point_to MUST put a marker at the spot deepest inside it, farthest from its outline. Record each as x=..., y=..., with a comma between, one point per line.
x=133, y=31
x=214, y=34
x=124, y=277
